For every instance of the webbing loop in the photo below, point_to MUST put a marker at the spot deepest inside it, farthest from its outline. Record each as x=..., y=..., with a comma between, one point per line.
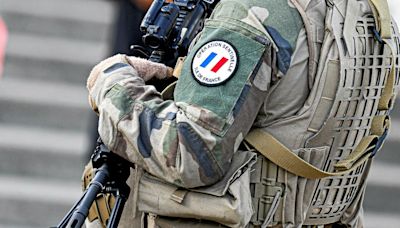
x=388, y=96
x=380, y=124
x=364, y=149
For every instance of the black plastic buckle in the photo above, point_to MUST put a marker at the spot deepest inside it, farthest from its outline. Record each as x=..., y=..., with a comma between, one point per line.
x=377, y=35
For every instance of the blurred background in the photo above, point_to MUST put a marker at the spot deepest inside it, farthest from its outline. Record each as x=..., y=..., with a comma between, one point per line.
x=46, y=125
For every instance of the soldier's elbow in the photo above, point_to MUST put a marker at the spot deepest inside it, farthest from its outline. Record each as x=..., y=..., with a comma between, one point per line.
x=200, y=173
x=199, y=164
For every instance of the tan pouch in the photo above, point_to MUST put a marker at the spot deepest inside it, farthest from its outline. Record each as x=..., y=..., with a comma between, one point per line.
x=227, y=202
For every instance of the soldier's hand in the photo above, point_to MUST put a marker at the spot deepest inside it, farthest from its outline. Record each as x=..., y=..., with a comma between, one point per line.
x=147, y=69
x=144, y=68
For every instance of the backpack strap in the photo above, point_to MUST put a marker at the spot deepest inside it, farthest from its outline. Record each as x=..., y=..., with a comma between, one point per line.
x=279, y=154
x=388, y=95
x=380, y=9
x=381, y=12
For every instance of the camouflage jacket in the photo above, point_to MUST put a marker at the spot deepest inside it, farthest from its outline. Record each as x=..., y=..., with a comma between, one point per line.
x=190, y=141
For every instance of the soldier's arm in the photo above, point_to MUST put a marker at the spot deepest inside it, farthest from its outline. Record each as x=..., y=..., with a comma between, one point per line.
x=189, y=141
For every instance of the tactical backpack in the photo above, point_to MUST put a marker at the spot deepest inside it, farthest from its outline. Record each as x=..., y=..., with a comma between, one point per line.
x=316, y=163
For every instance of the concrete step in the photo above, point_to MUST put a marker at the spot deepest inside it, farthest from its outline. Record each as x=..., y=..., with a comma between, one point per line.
x=382, y=199
x=43, y=92
x=394, y=134
x=382, y=194
x=21, y=67
x=384, y=174
x=38, y=115
x=396, y=110
x=44, y=104
x=27, y=202
x=38, y=152
x=378, y=219
x=389, y=153
x=75, y=10
x=59, y=49
x=18, y=22
x=3, y=225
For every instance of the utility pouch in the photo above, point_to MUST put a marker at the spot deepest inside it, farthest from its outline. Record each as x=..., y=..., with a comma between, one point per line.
x=227, y=202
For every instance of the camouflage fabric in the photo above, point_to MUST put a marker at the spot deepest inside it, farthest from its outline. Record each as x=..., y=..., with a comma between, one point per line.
x=190, y=141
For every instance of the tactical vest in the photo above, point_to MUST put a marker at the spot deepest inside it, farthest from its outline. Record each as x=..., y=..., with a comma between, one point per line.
x=315, y=163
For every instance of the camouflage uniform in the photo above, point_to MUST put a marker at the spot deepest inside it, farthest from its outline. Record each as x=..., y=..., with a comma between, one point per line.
x=191, y=141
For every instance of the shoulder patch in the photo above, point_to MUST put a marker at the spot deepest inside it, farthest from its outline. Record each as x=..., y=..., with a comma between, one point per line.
x=214, y=63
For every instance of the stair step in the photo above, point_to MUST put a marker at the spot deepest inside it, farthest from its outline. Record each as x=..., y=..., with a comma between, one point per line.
x=46, y=70
x=382, y=199
x=38, y=115
x=58, y=49
x=4, y=225
x=78, y=10
x=33, y=24
x=42, y=152
x=378, y=219
x=43, y=92
x=389, y=153
x=384, y=174
x=44, y=104
x=394, y=133
x=35, y=202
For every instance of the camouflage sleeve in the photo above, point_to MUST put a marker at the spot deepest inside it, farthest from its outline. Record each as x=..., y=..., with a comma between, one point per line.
x=190, y=141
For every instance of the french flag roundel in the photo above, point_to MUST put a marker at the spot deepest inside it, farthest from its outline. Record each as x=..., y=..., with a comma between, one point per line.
x=214, y=63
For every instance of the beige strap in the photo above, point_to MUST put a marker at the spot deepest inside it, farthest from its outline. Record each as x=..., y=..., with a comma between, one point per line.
x=178, y=67
x=179, y=195
x=380, y=124
x=279, y=154
x=380, y=9
x=387, y=97
x=364, y=148
x=168, y=92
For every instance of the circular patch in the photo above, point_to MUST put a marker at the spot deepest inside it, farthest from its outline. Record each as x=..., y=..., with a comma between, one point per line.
x=214, y=63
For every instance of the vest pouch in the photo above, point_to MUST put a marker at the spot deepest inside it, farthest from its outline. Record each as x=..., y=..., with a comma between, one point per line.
x=303, y=195
x=271, y=184
x=227, y=202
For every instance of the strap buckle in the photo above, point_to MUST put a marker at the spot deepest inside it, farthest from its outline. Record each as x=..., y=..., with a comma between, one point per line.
x=377, y=35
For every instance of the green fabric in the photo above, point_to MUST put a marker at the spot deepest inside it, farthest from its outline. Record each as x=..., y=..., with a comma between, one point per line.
x=188, y=90
x=120, y=99
x=278, y=14
x=282, y=16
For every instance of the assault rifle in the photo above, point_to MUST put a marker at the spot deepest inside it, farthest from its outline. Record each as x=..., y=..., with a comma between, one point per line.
x=168, y=28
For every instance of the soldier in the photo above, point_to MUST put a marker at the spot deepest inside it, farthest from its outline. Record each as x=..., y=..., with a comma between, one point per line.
x=312, y=81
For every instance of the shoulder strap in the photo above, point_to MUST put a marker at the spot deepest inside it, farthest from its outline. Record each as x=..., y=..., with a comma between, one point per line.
x=279, y=154
x=380, y=9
